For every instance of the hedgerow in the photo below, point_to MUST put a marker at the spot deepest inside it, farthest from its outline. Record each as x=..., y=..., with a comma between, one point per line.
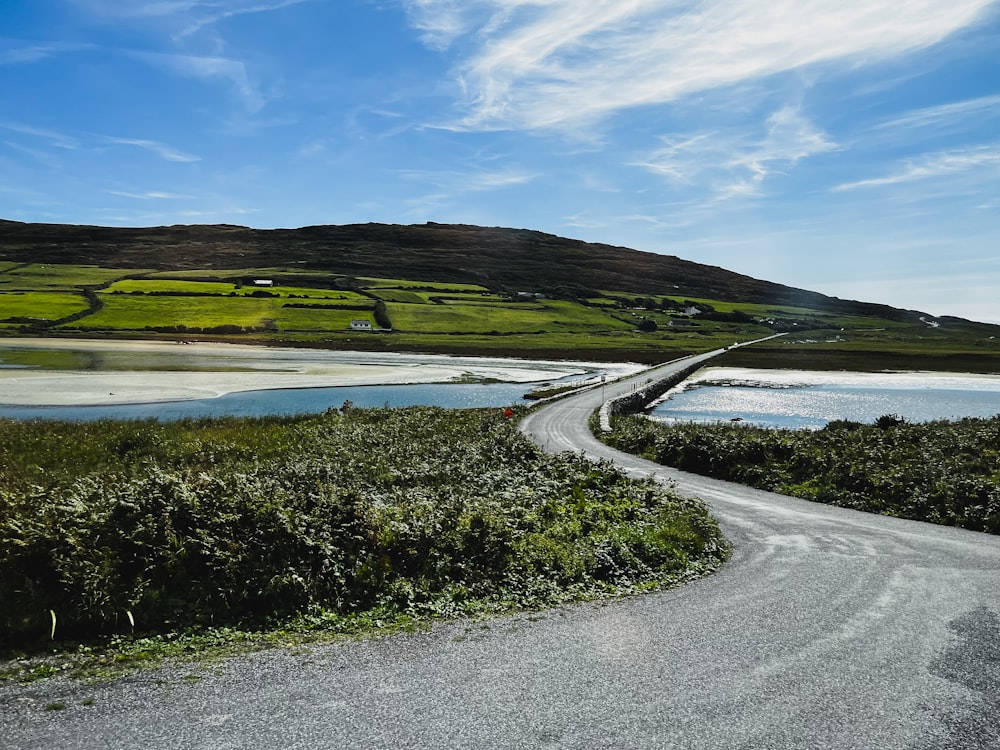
x=942, y=472
x=111, y=525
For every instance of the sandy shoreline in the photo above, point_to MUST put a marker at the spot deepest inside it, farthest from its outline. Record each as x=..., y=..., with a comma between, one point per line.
x=131, y=371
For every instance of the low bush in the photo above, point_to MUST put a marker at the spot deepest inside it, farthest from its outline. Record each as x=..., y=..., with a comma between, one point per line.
x=247, y=522
x=943, y=472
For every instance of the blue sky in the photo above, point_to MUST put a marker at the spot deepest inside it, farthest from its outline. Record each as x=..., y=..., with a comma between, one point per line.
x=850, y=147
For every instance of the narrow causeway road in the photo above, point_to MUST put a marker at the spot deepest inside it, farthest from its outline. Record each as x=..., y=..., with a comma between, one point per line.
x=828, y=629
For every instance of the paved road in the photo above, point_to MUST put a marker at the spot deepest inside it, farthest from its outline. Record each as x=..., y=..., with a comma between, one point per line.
x=828, y=629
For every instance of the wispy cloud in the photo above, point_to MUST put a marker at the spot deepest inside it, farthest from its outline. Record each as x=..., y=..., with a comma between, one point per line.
x=473, y=181
x=442, y=21
x=137, y=8
x=450, y=185
x=215, y=12
x=181, y=19
x=160, y=149
x=201, y=12
x=36, y=52
x=195, y=66
x=556, y=63
x=942, y=164
x=737, y=165
x=946, y=114
x=59, y=140
x=152, y=195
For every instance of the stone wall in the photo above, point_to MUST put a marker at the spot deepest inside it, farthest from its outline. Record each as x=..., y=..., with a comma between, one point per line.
x=636, y=401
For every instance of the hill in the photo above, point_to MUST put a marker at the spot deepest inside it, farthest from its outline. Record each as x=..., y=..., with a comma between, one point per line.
x=499, y=258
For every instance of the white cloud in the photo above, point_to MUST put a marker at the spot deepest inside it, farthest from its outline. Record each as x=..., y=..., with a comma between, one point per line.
x=137, y=8
x=946, y=114
x=735, y=165
x=196, y=66
x=557, y=63
x=942, y=164
x=56, y=139
x=222, y=11
x=152, y=195
x=440, y=21
x=160, y=149
x=475, y=181
x=195, y=11
x=37, y=52
x=449, y=186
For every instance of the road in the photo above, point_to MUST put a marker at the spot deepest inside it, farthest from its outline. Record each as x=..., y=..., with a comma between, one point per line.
x=828, y=629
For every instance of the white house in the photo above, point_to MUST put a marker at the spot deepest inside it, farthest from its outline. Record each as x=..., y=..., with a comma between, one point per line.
x=263, y=282
x=361, y=325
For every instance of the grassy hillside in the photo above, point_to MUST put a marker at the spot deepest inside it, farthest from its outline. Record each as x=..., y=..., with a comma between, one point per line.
x=454, y=289
x=497, y=258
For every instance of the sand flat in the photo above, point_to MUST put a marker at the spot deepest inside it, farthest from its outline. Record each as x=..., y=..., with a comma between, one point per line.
x=218, y=369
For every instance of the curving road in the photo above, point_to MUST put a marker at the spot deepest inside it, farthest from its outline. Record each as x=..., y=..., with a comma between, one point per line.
x=828, y=629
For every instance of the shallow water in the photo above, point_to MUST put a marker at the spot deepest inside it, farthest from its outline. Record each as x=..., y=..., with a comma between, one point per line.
x=465, y=382
x=291, y=401
x=809, y=400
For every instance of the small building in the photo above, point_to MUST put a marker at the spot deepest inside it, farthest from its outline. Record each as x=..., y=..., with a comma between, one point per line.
x=263, y=282
x=361, y=325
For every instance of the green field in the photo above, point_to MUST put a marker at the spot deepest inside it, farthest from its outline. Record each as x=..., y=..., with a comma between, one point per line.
x=376, y=283
x=45, y=305
x=545, y=316
x=316, y=308
x=169, y=286
x=398, y=295
x=43, y=277
x=314, y=319
x=222, y=288
x=125, y=312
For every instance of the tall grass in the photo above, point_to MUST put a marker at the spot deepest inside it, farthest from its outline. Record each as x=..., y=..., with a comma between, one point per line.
x=421, y=511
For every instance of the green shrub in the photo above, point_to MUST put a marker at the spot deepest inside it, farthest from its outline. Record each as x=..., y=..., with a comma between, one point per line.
x=943, y=472
x=250, y=521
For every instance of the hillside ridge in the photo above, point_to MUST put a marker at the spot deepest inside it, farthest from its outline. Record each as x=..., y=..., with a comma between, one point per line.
x=497, y=257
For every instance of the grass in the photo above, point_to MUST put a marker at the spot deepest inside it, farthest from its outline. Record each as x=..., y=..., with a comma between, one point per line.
x=128, y=313
x=174, y=286
x=520, y=317
x=458, y=318
x=367, y=282
x=49, y=276
x=248, y=530
x=399, y=295
x=313, y=319
x=47, y=305
x=219, y=288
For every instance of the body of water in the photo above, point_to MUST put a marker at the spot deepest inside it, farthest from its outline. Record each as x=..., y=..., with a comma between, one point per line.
x=809, y=400
x=447, y=381
x=291, y=401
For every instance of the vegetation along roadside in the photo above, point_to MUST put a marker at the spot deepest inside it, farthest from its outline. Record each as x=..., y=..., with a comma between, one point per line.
x=943, y=472
x=141, y=538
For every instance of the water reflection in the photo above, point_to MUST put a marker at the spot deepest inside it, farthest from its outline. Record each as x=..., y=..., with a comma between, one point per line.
x=290, y=401
x=805, y=400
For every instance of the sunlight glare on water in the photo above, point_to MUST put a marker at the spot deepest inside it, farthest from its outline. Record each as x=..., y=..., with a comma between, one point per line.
x=808, y=400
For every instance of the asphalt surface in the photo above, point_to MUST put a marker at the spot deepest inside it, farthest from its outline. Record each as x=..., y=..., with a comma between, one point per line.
x=828, y=629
